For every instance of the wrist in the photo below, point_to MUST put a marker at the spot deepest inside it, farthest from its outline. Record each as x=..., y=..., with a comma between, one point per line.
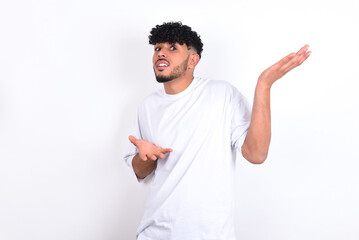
x=263, y=84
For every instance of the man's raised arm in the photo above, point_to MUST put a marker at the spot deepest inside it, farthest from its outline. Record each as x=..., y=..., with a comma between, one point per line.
x=256, y=145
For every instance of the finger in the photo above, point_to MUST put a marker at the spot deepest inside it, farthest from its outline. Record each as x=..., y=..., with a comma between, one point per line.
x=300, y=55
x=160, y=155
x=133, y=140
x=143, y=157
x=305, y=57
x=296, y=64
x=166, y=150
x=152, y=157
x=290, y=58
x=286, y=59
x=303, y=50
x=299, y=58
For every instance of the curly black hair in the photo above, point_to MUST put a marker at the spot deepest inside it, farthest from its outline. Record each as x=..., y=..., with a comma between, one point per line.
x=176, y=32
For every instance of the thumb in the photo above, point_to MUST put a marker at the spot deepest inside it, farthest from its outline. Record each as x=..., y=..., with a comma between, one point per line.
x=133, y=140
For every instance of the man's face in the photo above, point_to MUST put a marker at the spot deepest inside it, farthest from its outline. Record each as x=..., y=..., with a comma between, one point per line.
x=170, y=61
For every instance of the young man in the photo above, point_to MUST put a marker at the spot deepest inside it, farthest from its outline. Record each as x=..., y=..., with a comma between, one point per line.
x=186, y=137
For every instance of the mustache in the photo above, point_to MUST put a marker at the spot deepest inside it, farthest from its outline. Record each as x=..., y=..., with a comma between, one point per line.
x=162, y=59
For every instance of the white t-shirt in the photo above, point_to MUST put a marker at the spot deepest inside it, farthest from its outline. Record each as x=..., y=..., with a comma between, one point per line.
x=192, y=188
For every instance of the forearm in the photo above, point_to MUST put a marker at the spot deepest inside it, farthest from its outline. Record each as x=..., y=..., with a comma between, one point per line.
x=255, y=147
x=143, y=168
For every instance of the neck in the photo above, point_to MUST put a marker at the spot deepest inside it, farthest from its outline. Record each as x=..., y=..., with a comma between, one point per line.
x=178, y=85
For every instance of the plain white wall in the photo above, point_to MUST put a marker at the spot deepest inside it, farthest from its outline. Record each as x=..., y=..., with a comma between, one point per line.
x=73, y=72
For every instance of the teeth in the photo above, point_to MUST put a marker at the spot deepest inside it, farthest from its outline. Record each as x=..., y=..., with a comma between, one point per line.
x=162, y=65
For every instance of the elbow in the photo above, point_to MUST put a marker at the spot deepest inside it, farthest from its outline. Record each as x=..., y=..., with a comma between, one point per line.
x=255, y=154
x=259, y=159
x=255, y=157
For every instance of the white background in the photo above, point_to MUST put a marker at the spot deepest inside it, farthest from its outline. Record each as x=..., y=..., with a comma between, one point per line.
x=73, y=72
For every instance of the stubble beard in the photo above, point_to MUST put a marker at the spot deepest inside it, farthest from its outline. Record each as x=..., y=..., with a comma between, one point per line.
x=177, y=72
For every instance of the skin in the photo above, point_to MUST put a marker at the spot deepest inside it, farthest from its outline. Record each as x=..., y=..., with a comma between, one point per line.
x=176, y=55
x=256, y=145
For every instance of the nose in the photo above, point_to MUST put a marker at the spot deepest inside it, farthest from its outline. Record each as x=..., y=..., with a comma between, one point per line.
x=161, y=53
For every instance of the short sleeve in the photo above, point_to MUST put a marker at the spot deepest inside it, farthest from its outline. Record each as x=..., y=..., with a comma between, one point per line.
x=132, y=149
x=241, y=119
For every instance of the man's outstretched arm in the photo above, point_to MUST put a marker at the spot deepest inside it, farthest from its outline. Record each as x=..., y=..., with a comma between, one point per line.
x=256, y=145
x=144, y=162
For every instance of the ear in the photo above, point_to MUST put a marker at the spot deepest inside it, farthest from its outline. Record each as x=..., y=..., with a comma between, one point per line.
x=193, y=60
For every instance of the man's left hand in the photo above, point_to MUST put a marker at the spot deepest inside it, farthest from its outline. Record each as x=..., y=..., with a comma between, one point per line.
x=278, y=70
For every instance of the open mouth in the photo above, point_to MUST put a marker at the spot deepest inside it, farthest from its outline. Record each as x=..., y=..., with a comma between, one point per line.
x=162, y=64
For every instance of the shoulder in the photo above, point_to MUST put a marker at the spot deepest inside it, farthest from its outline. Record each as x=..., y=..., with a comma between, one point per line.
x=219, y=84
x=221, y=87
x=226, y=93
x=150, y=100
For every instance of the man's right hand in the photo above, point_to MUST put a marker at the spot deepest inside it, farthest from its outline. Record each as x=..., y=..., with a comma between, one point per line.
x=148, y=151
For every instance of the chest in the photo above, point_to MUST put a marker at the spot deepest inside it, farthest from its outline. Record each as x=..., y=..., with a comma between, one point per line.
x=171, y=124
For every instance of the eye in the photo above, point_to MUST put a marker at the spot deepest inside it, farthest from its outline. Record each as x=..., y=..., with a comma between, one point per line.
x=157, y=49
x=172, y=48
